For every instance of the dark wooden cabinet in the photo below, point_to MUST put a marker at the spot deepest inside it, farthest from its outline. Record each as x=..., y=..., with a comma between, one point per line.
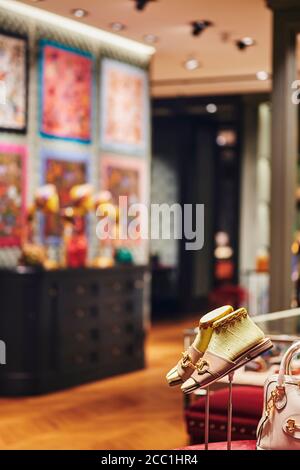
x=66, y=327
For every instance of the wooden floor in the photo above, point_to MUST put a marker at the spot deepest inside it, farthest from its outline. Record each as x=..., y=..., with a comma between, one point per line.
x=133, y=411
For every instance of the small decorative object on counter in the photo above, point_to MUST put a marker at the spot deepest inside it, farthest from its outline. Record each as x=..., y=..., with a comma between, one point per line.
x=123, y=256
x=32, y=255
x=81, y=199
x=45, y=201
x=75, y=244
x=104, y=207
x=279, y=427
x=76, y=247
x=68, y=219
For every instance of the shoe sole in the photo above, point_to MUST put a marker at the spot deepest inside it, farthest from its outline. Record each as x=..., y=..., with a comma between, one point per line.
x=246, y=357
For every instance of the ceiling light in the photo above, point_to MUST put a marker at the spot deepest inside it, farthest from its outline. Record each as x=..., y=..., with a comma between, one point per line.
x=211, y=108
x=116, y=26
x=199, y=26
x=150, y=38
x=79, y=28
x=262, y=75
x=191, y=64
x=244, y=43
x=141, y=4
x=79, y=12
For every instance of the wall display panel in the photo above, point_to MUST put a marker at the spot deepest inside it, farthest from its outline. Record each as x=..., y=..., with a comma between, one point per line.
x=124, y=106
x=125, y=176
x=64, y=170
x=12, y=194
x=13, y=82
x=38, y=32
x=66, y=92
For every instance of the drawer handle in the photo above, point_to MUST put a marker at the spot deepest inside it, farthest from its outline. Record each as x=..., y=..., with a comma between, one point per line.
x=80, y=313
x=116, y=352
x=116, y=308
x=78, y=360
x=116, y=330
x=139, y=284
x=80, y=289
x=80, y=337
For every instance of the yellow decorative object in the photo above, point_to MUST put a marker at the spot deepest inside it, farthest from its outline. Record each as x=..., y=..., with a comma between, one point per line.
x=32, y=255
x=46, y=199
x=104, y=208
x=103, y=262
x=101, y=198
x=81, y=198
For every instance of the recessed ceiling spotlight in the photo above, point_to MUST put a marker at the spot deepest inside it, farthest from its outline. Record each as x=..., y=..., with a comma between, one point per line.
x=150, y=38
x=244, y=43
x=79, y=12
x=199, y=26
x=191, y=64
x=141, y=4
x=262, y=75
x=116, y=26
x=211, y=108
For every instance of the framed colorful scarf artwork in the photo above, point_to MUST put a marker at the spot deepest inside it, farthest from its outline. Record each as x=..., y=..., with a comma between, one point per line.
x=66, y=92
x=13, y=83
x=124, y=108
x=125, y=177
x=12, y=194
x=64, y=170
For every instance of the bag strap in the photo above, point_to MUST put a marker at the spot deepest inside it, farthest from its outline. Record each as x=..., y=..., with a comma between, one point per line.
x=285, y=365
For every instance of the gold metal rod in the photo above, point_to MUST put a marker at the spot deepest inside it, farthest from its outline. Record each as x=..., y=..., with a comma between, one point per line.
x=206, y=422
x=229, y=412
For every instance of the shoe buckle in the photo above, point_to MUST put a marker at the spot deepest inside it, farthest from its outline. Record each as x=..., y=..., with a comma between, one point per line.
x=186, y=360
x=200, y=367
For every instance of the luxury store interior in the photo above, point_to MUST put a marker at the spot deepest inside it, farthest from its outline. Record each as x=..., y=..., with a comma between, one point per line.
x=149, y=258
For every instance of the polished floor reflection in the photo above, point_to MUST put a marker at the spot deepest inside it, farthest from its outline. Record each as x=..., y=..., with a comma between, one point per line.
x=134, y=411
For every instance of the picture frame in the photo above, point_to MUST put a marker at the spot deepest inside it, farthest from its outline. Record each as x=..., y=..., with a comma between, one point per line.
x=13, y=180
x=64, y=169
x=124, y=108
x=125, y=176
x=66, y=91
x=14, y=69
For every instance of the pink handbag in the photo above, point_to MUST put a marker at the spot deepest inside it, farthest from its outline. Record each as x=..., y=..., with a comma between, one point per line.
x=279, y=427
